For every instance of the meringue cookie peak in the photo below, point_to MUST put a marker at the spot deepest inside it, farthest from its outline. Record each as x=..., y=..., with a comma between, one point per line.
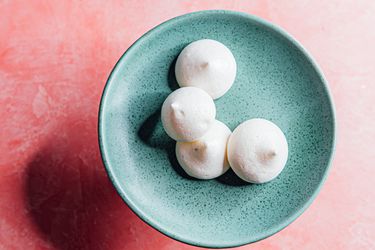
x=257, y=150
x=206, y=64
x=187, y=113
x=205, y=158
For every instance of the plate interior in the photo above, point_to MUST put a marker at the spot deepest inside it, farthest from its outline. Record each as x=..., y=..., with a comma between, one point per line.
x=275, y=80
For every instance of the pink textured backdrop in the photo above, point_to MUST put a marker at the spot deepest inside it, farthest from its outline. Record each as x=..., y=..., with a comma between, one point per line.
x=55, y=57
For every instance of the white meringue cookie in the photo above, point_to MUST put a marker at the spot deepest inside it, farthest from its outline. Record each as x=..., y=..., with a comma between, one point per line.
x=206, y=64
x=205, y=158
x=257, y=150
x=188, y=113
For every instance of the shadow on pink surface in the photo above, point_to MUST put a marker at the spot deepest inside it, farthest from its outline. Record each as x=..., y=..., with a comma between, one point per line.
x=68, y=203
x=71, y=200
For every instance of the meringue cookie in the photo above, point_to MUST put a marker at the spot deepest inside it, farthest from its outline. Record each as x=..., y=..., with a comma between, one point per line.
x=257, y=150
x=205, y=158
x=188, y=113
x=206, y=64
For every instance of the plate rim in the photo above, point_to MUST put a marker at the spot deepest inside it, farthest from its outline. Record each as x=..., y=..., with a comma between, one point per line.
x=164, y=230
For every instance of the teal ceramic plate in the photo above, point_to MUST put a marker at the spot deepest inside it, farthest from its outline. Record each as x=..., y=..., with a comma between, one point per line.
x=276, y=80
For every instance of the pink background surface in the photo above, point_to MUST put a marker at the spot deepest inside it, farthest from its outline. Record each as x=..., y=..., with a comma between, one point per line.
x=54, y=60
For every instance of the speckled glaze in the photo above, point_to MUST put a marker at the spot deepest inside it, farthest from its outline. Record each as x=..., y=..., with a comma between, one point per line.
x=276, y=80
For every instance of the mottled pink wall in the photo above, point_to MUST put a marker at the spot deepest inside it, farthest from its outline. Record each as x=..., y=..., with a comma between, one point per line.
x=55, y=57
